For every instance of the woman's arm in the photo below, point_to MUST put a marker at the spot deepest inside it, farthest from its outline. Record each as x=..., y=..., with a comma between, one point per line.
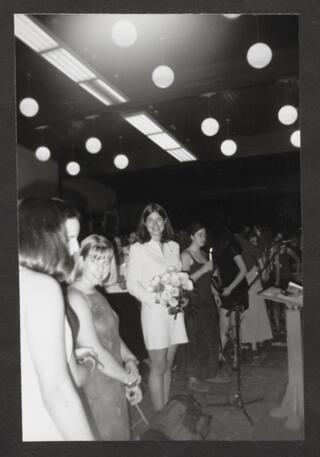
x=87, y=337
x=242, y=273
x=186, y=262
x=134, y=278
x=45, y=329
x=294, y=256
x=130, y=361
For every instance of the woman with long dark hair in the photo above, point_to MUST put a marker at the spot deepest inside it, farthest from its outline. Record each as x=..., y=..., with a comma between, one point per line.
x=150, y=256
x=51, y=407
x=231, y=269
x=202, y=352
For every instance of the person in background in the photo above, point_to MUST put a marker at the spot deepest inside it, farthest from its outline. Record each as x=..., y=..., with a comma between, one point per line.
x=115, y=376
x=150, y=256
x=201, y=317
x=231, y=271
x=255, y=325
x=51, y=406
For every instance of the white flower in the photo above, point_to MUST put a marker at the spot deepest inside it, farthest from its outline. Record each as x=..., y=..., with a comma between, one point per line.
x=150, y=289
x=175, y=281
x=166, y=295
x=175, y=292
x=173, y=302
x=165, y=278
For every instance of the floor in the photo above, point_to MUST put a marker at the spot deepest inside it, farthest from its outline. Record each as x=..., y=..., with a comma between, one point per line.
x=265, y=378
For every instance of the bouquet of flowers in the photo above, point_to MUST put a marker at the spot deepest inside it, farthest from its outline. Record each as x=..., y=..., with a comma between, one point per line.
x=171, y=289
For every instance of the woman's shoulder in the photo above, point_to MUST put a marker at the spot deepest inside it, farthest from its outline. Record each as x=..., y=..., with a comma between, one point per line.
x=35, y=280
x=173, y=245
x=137, y=247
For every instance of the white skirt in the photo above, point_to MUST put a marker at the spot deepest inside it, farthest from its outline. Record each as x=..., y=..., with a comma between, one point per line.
x=255, y=324
x=160, y=329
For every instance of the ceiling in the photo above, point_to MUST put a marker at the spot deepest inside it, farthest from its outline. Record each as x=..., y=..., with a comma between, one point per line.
x=207, y=54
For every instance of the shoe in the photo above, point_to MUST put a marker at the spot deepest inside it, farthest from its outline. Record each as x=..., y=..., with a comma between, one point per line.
x=221, y=378
x=198, y=386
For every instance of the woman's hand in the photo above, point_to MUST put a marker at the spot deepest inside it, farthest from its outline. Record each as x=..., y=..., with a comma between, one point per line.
x=133, y=395
x=207, y=266
x=226, y=291
x=132, y=368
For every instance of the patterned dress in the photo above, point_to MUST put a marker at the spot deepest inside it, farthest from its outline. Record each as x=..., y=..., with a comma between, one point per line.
x=106, y=396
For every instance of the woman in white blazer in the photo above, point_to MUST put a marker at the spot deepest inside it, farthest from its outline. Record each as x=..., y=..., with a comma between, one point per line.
x=150, y=256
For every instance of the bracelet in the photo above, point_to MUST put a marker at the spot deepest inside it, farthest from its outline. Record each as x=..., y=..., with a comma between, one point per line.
x=133, y=359
x=133, y=384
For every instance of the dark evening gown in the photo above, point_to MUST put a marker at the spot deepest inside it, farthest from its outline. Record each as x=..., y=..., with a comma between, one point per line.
x=106, y=396
x=201, y=319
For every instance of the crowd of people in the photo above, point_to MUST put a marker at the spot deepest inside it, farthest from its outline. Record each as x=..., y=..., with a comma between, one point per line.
x=88, y=317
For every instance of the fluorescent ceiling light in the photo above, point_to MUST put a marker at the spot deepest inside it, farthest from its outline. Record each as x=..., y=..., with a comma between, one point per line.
x=164, y=140
x=110, y=90
x=32, y=35
x=181, y=154
x=89, y=87
x=69, y=65
x=143, y=123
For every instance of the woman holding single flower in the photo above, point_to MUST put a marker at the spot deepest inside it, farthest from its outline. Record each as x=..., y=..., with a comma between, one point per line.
x=115, y=375
x=150, y=257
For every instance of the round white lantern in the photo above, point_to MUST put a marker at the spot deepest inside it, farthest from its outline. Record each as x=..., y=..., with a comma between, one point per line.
x=228, y=147
x=93, y=145
x=296, y=139
x=124, y=33
x=121, y=161
x=288, y=114
x=42, y=153
x=73, y=168
x=259, y=55
x=29, y=107
x=163, y=76
x=209, y=126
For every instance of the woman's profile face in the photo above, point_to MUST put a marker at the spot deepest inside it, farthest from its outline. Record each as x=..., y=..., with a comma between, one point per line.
x=72, y=229
x=199, y=237
x=155, y=225
x=96, y=266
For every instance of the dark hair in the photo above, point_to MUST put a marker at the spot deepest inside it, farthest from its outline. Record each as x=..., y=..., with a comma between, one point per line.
x=142, y=233
x=195, y=227
x=42, y=236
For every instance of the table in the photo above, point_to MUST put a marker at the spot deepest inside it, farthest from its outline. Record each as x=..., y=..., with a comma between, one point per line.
x=292, y=405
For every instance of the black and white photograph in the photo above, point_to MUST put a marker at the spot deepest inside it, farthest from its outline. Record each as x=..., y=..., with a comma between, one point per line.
x=159, y=227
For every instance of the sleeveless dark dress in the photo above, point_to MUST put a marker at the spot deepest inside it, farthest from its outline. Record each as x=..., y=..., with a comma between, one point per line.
x=201, y=319
x=106, y=396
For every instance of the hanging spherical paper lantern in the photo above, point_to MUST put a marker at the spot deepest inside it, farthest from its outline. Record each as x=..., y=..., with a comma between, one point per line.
x=296, y=139
x=121, y=161
x=42, y=153
x=29, y=107
x=259, y=55
x=93, y=145
x=163, y=76
x=228, y=147
x=124, y=33
x=288, y=114
x=209, y=126
x=73, y=168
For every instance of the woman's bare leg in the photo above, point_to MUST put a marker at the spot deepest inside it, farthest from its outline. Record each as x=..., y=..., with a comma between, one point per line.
x=158, y=366
x=168, y=373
